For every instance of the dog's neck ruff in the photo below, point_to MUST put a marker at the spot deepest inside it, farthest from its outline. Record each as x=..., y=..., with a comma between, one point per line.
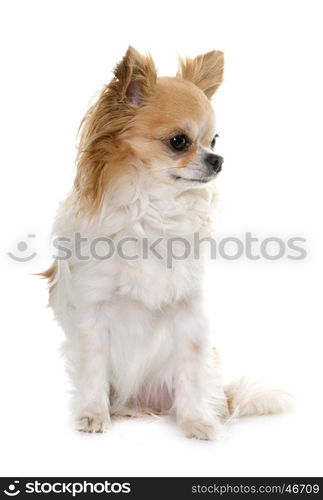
x=138, y=202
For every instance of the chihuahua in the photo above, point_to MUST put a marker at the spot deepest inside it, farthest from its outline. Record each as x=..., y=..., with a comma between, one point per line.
x=137, y=339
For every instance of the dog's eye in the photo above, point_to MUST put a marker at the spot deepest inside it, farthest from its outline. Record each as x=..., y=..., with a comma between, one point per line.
x=214, y=141
x=179, y=142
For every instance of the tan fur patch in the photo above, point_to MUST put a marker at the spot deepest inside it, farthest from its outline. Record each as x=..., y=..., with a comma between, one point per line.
x=196, y=347
x=101, y=153
x=49, y=273
x=174, y=107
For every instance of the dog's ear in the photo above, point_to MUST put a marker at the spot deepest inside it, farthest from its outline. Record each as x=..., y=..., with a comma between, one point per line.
x=100, y=153
x=135, y=77
x=205, y=71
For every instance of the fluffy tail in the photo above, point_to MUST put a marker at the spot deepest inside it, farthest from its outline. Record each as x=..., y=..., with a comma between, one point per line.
x=246, y=398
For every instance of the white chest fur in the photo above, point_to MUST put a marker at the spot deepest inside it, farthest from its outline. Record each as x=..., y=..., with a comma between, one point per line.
x=151, y=228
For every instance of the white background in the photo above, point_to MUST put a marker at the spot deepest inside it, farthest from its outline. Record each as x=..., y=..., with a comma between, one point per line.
x=265, y=315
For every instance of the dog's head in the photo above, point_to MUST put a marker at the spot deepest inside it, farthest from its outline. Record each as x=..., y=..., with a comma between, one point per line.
x=165, y=124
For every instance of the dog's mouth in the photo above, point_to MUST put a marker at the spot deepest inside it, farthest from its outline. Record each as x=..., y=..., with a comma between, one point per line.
x=201, y=180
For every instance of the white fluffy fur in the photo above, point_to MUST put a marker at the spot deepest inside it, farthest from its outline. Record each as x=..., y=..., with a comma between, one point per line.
x=247, y=397
x=132, y=326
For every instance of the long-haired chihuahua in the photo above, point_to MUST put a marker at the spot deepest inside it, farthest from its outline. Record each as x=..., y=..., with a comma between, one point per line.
x=137, y=340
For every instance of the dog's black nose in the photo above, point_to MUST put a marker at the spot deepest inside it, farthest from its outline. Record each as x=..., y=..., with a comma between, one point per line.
x=215, y=161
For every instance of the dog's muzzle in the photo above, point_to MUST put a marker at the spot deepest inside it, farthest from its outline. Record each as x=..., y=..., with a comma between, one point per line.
x=214, y=162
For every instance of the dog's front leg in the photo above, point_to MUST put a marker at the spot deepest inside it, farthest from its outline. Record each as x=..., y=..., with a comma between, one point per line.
x=198, y=395
x=88, y=359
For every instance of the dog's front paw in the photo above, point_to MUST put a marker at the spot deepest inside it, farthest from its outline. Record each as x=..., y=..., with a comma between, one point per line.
x=93, y=423
x=199, y=429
